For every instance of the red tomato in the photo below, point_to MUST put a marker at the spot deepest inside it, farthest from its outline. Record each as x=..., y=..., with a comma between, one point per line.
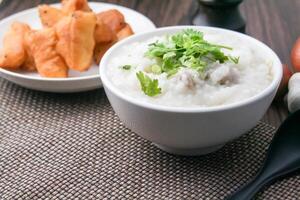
x=295, y=56
x=283, y=87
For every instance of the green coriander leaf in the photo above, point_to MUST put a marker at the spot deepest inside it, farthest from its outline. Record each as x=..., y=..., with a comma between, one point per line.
x=170, y=64
x=222, y=46
x=156, y=69
x=168, y=55
x=157, y=50
x=171, y=72
x=235, y=60
x=149, y=86
x=126, y=67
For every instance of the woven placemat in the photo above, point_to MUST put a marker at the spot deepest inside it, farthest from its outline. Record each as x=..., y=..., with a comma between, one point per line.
x=73, y=146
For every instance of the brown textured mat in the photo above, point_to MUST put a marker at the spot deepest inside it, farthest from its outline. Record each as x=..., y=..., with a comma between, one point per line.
x=72, y=146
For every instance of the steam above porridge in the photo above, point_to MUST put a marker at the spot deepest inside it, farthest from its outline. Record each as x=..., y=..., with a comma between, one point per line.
x=191, y=69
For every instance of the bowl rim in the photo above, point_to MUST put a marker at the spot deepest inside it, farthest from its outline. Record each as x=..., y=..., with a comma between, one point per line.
x=108, y=85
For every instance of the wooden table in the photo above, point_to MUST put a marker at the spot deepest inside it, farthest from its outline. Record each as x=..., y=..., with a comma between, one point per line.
x=275, y=22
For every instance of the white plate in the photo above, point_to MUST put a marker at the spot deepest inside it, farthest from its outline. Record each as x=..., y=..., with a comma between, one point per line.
x=77, y=81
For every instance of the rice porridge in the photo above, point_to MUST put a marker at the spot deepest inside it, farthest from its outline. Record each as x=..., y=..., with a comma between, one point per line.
x=191, y=69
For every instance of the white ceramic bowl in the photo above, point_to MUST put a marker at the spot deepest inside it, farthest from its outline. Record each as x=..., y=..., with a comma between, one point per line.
x=189, y=131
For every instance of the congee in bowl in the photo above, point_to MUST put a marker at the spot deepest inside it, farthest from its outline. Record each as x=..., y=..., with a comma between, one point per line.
x=190, y=89
x=191, y=68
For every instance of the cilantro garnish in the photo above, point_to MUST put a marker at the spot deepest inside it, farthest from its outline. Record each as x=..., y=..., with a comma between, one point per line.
x=156, y=69
x=150, y=87
x=187, y=49
x=126, y=67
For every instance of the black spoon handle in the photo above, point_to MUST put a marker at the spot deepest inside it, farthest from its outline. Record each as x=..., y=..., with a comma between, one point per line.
x=283, y=158
x=245, y=193
x=251, y=189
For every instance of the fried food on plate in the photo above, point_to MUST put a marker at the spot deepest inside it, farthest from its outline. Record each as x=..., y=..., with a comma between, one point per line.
x=71, y=38
x=100, y=50
x=70, y=6
x=29, y=63
x=13, y=52
x=111, y=27
x=47, y=60
x=103, y=42
x=102, y=47
x=113, y=18
x=103, y=32
x=49, y=15
x=76, y=39
x=125, y=32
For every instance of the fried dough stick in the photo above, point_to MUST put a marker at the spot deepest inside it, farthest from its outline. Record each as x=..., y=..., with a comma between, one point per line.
x=103, y=33
x=29, y=63
x=47, y=60
x=102, y=47
x=125, y=32
x=49, y=15
x=100, y=50
x=76, y=39
x=13, y=54
x=70, y=6
x=111, y=27
x=113, y=18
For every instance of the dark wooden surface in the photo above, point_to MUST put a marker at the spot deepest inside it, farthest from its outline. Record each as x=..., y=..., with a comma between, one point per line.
x=275, y=22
